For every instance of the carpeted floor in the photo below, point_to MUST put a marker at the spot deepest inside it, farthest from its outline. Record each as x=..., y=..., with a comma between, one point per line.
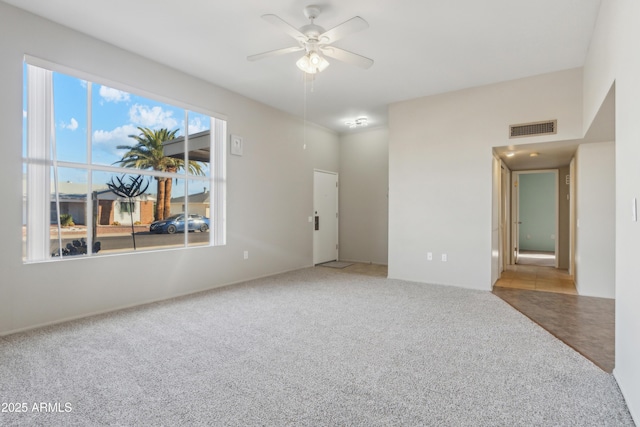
x=316, y=347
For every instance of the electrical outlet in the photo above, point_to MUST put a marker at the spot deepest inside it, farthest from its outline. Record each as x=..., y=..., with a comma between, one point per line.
x=444, y=257
x=246, y=254
x=429, y=256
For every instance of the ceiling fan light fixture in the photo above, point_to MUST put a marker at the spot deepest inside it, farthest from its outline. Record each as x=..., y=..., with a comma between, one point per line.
x=359, y=122
x=312, y=63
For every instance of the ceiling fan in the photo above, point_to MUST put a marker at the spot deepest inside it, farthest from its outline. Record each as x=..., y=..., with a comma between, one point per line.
x=317, y=43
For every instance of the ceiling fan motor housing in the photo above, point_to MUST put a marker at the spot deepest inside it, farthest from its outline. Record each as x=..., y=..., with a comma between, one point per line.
x=312, y=12
x=312, y=31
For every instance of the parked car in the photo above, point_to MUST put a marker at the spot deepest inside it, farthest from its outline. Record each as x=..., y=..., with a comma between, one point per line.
x=175, y=223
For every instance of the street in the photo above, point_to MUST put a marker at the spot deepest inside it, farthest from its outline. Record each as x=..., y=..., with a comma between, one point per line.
x=143, y=240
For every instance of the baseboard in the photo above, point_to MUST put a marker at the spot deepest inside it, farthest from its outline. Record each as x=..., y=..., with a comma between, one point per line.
x=140, y=304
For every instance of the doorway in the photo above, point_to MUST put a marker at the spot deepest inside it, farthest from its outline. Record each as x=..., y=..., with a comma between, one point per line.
x=325, y=216
x=535, y=217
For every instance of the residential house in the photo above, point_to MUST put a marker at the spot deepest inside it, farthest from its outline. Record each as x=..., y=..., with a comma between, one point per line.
x=115, y=209
x=198, y=204
x=111, y=208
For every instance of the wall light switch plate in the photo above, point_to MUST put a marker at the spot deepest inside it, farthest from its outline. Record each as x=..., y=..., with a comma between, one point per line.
x=429, y=256
x=236, y=145
x=444, y=258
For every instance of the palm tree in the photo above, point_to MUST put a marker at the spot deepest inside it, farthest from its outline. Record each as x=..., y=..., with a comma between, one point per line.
x=148, y=153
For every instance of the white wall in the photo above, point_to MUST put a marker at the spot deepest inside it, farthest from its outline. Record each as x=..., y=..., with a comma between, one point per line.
x=269, y=189
x=614, y=56
x=595, y=218
x=440, y=171
x=364, y=202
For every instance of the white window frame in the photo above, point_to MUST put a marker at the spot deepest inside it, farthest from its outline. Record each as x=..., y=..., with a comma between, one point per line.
x=39, y=161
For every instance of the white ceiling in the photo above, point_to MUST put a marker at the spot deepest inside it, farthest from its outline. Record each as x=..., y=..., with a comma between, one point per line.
x=420, y=47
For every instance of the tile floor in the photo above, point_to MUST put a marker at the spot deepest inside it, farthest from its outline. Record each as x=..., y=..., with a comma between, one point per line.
x=532, y=277
x=376, y=270
x=548, y=297
x=586, y=324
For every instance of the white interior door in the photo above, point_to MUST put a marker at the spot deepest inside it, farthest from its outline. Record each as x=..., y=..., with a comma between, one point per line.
x=504, y=217
x=572, y=217
x=325, y=216
x=518, y=214
x=515, y=216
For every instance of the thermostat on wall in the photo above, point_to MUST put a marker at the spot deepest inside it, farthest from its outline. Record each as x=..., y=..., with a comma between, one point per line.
x=236, y=145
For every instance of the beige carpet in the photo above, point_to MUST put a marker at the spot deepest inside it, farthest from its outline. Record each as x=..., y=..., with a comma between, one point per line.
x=314, y=347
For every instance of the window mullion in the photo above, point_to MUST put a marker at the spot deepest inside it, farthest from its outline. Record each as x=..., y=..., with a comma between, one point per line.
x=186, y=176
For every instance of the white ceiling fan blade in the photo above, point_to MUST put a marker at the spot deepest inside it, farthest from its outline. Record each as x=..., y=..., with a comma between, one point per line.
x=275, y=53
x=353, y=25
x=284, y=26
x=346, y=56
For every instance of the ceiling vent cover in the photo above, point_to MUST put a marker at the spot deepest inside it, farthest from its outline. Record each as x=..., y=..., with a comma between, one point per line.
x=548, y=127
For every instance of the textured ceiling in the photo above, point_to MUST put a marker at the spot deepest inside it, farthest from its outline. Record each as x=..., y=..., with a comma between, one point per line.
x=420, y=47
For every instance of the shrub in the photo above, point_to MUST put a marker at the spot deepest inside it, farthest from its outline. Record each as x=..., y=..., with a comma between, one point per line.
x=115, y=223
x=66, y=220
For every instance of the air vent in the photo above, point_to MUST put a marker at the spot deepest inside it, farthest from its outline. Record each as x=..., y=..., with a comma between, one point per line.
x=549, y=127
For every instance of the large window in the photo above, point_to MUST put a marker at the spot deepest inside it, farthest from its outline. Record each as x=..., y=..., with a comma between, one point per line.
x=109, y=171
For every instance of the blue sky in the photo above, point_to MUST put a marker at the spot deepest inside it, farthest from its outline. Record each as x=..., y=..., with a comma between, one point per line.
x=115, y=115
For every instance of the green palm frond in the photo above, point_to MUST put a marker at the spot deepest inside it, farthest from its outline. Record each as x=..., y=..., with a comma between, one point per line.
x=148, y=153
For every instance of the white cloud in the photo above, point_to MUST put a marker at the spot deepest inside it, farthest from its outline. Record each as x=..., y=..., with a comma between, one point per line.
x=113, y=95
x=196, y=125
x=154, y=117
x=108, y=141
x=72, y=125
x=119, y=135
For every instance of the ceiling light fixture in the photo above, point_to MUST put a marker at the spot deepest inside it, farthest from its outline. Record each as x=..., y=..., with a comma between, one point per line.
x=316, y=42
x=312, y=63
x=534, y=154
x=510, y=154
x=359, y=122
